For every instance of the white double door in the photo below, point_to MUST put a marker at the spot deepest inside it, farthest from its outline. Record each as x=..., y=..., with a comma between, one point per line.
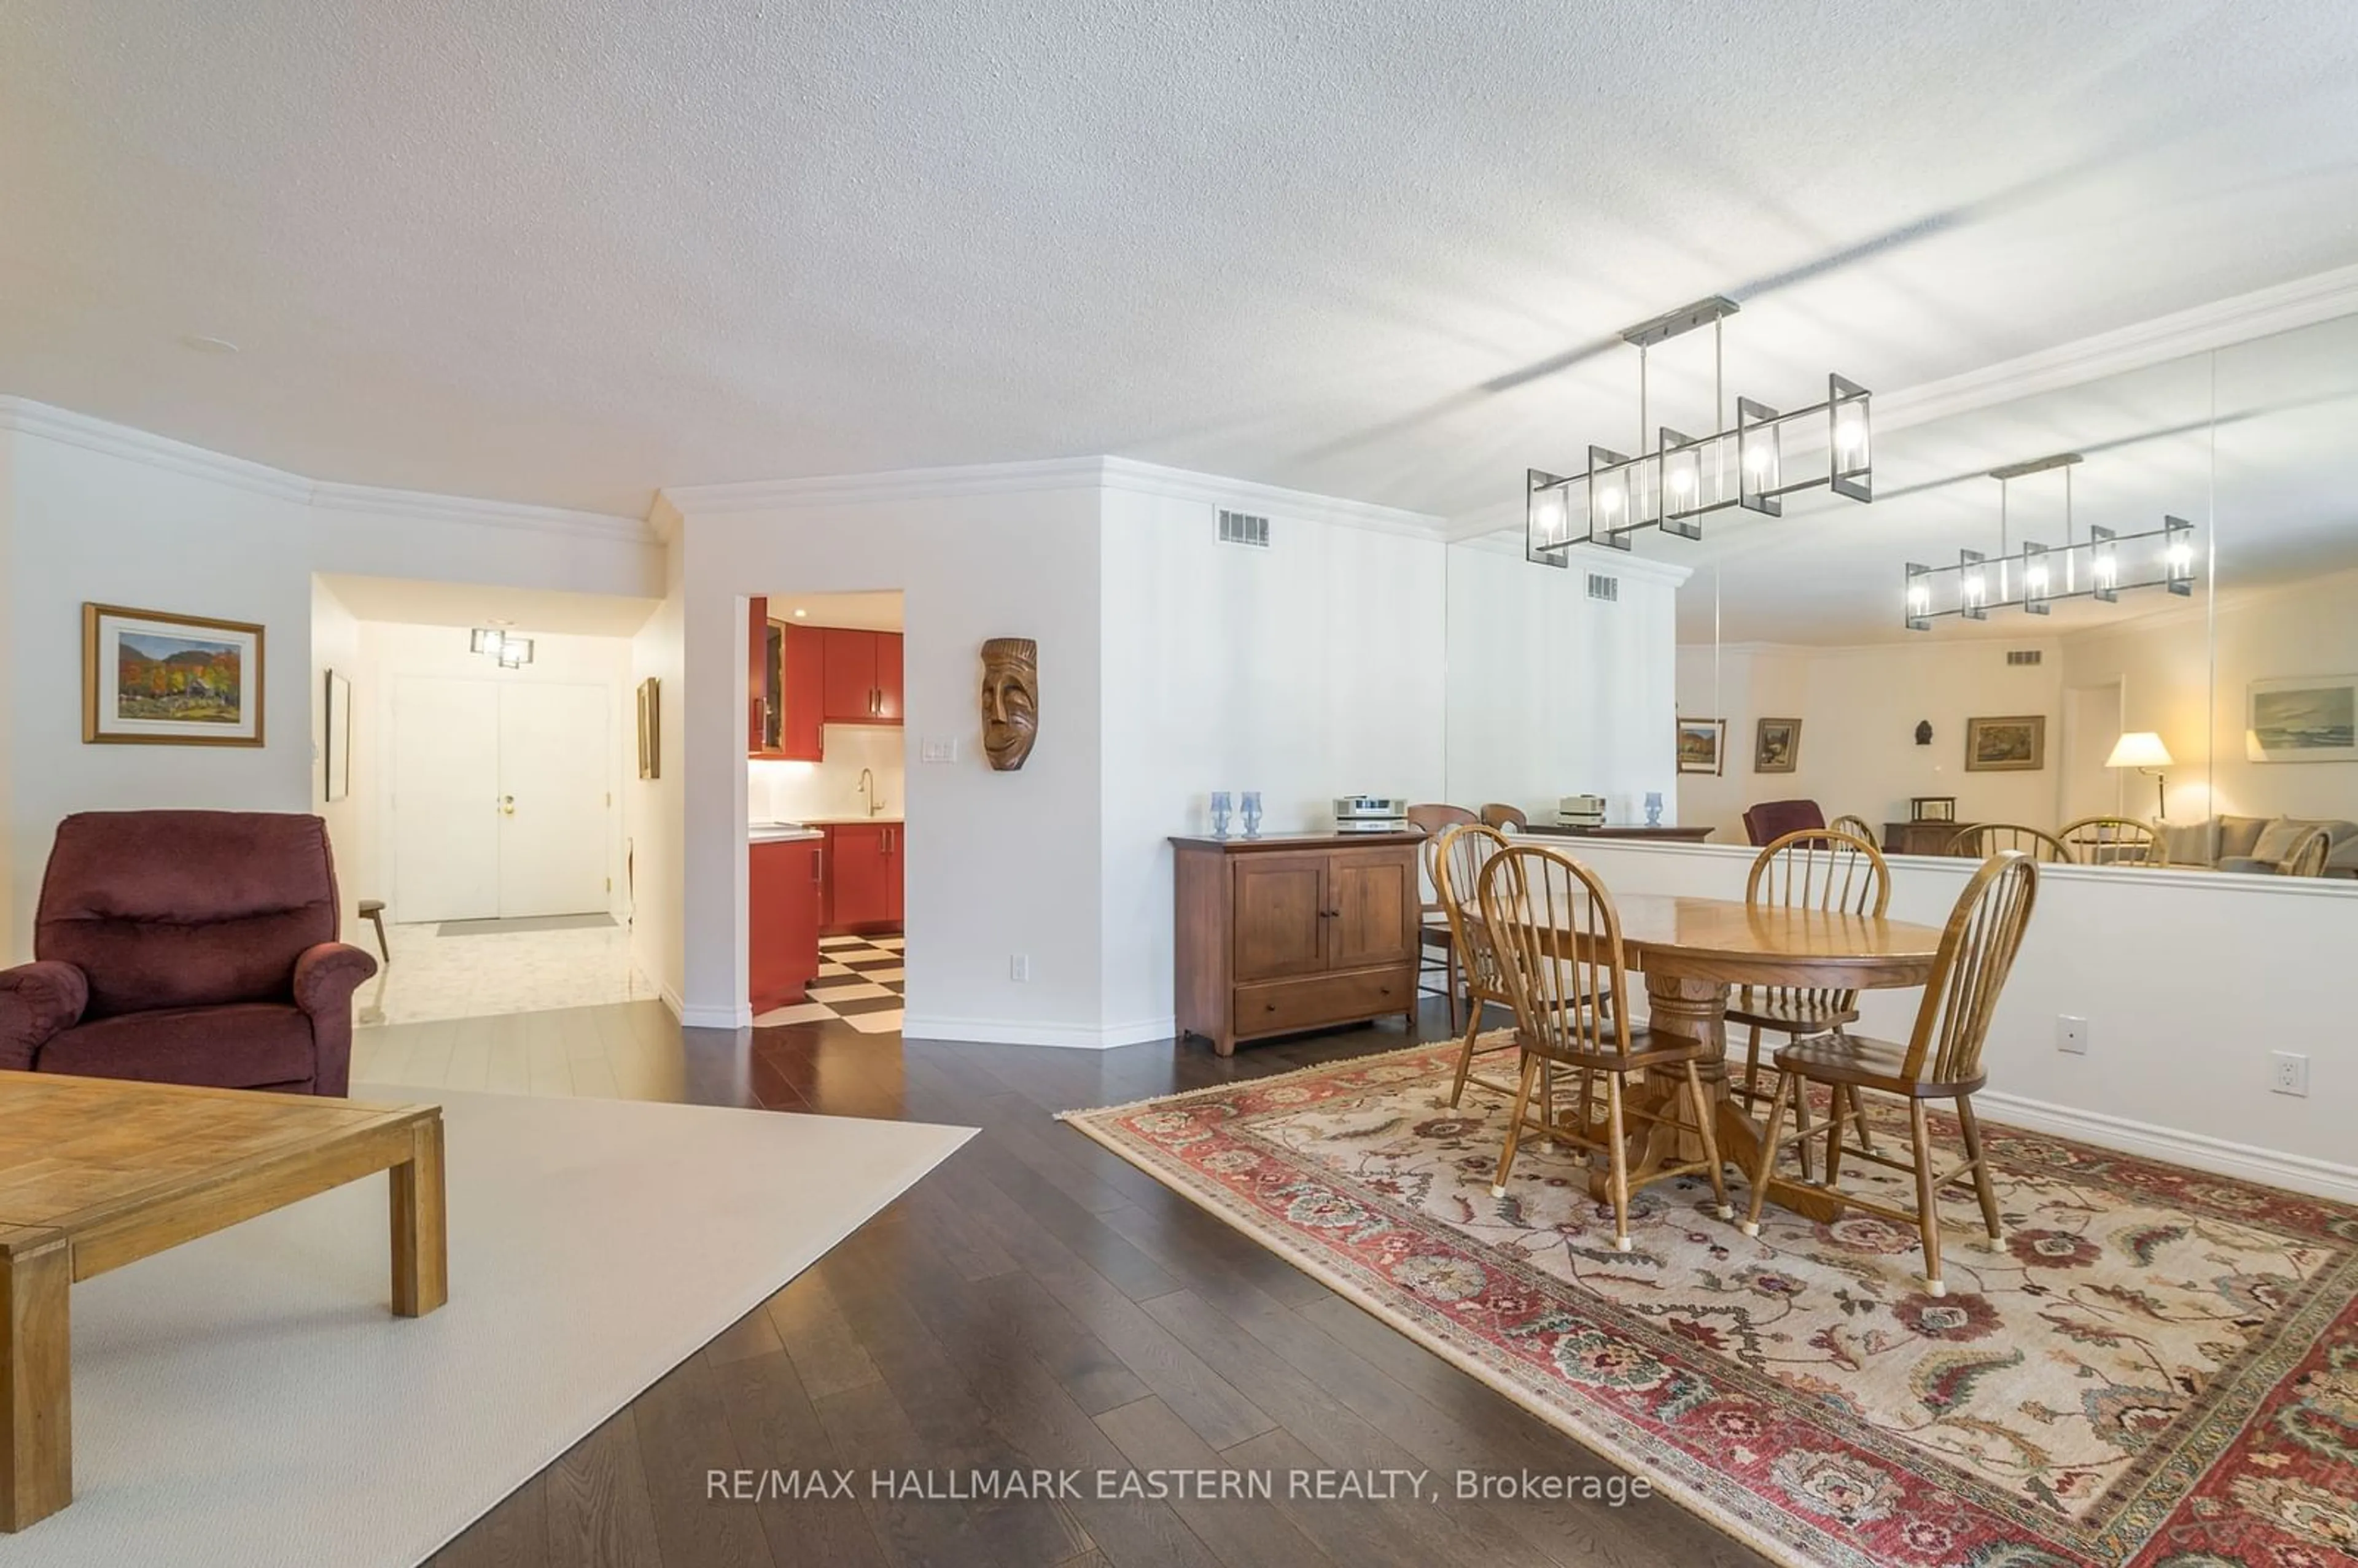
x=501, y=798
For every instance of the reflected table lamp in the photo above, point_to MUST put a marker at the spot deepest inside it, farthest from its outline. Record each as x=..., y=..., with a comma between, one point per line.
x=2143, y=749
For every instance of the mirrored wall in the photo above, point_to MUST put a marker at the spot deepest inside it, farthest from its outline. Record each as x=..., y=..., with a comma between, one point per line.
x=2114, y=621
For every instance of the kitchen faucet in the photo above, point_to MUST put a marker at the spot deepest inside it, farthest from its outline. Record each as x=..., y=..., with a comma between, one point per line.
x=867, y=786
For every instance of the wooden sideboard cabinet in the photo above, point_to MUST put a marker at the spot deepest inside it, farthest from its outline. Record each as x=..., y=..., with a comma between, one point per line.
x=1294, y=932
x=1920, y=837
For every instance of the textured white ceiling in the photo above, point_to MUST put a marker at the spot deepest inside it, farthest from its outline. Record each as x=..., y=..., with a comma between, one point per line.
x=568, y=253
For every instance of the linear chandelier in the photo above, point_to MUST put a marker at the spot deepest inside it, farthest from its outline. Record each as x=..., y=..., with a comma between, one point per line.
x=512, y=651
x=2033, y=577
x=1767, y=456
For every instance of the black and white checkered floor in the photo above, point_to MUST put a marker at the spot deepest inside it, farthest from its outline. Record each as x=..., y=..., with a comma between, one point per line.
x=858, y=982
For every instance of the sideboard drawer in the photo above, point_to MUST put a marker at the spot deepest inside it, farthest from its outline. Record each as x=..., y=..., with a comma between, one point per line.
x=1279, y=1007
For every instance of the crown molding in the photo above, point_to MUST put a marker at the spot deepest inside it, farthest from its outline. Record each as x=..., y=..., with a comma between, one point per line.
x=1295, y=505
x=66, y=429
x=1125, y=474
x=27, y=418
x=869, y=489
x=2223, y=323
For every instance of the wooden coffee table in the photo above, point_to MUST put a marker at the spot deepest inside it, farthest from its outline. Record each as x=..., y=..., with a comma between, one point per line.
x=97, y=1173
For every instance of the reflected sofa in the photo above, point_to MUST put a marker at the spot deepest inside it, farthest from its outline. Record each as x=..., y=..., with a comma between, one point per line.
x=2257, y=843
x=187, y=947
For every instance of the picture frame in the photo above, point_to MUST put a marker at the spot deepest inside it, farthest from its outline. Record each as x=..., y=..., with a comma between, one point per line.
x=2301, y=719
x=650, y=728
x=1702, y=745
x=2009, y=743
x=1932, y=808
x=336, y=752
x=152, y=677
x=1776, y=745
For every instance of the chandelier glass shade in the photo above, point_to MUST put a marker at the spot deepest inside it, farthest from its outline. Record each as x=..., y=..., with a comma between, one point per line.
x=1766, y=455
x=511, y=651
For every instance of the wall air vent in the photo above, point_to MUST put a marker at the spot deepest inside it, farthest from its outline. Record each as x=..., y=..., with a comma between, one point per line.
x=1243, y=528
x=1607, y=588
x=2024, y=656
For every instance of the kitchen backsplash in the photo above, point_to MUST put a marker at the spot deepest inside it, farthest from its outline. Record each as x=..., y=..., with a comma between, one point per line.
x=786, y=792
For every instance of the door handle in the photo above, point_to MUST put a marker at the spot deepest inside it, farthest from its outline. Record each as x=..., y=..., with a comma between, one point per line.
x=507, y=805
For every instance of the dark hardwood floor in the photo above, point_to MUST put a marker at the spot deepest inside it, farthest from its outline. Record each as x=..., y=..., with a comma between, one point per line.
x=1036, y=1303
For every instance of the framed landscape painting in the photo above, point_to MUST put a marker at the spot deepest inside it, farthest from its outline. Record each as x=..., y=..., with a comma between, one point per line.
x=1777, y=746
x=2302, y=719
x=1701, y=740
x=151, y=678
x=2015, y=744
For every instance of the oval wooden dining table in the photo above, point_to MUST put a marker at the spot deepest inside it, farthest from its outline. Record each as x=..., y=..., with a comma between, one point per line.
x=1692, y=951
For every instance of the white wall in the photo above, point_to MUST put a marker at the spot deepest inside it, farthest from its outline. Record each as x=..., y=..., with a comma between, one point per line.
x=105, y=514
x=2188, y=979
x=654, y=809
x=390, y=652
x=997, y=863
x=336, y=645
x=1552, y=693
x=2162, y=663
x=1859, y=708
x=1307, y=670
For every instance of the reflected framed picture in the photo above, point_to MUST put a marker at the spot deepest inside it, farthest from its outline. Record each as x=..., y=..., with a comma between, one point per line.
x=153, y=678
x=2013, y=744
x=1932, y=808
x=1776, y=745
x=336, y=758
x=2302, y=719
x=650, y=728
x=1701, y=743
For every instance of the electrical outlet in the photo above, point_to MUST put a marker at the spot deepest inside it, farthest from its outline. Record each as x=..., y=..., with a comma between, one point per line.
x=1018, y=965
x=938, y=749
x=2072, y=1034
x=2289, y=1073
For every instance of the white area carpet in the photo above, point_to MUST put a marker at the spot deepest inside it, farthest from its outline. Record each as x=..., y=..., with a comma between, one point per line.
x=247, y=1399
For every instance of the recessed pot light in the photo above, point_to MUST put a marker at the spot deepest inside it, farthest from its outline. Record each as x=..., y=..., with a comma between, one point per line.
x=801, y=614
x=205, y=345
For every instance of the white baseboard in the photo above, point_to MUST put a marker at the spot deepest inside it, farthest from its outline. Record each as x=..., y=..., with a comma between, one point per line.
x=739, y=1016
x=2297, y=1172
x=997, y=1031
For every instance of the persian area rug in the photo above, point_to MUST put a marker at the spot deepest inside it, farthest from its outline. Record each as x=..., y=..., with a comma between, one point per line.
x=2155, y=1366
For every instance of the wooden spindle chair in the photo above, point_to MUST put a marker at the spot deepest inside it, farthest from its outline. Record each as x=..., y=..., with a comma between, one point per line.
x=1458, y=857
x=2111, y=841
x=1832, y=872
x=1942, y=1060
x=1558, y=940
x=1498, y=815
x=1435, y=944
x=1981, y=841
x=1857, y=826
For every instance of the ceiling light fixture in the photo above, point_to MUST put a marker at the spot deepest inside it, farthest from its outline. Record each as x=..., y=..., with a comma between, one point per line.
x=511, y=651
x=1765, y=456
x=2033, y=577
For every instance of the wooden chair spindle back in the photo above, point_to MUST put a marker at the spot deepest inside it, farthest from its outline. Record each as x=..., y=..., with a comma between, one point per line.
x=1558, y=940
x=1977, y=950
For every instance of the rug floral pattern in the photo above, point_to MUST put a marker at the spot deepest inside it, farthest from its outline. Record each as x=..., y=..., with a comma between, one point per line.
x=2153, y=1366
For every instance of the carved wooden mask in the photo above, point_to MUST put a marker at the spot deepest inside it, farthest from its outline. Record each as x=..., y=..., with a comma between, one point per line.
x=1010, y=700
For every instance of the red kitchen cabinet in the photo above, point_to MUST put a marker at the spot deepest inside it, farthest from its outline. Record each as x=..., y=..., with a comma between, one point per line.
x=863, y=677
x=757, y=678
x=802, y=692
x=850, y=676
x=888, y=680
x=785, y=887
x=896, y=881
x=863, y=877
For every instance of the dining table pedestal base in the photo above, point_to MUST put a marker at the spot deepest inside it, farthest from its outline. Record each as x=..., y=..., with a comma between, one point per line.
x=1695, y=1007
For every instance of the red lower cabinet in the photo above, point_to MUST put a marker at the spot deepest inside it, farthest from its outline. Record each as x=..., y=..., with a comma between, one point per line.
x=863, y=877
x=785, y=889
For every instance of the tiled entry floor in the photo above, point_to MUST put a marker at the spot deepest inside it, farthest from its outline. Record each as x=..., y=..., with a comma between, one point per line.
x=860, y=981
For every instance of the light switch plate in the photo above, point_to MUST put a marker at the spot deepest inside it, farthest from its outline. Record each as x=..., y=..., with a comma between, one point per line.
x=936, y=749
x=2072, y=1034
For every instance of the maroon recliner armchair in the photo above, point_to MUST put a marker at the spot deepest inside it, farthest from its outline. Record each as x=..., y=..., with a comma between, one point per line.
x=1773, y=819
x=187, y=947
